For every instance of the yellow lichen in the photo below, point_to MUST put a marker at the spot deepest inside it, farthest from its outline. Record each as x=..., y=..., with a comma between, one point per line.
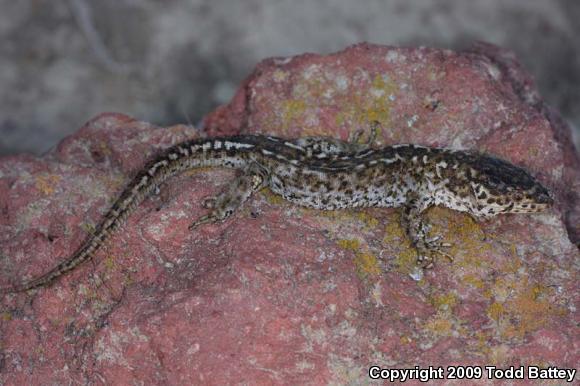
x=487, y=293
x=406, y=261
x=374, y=105
x=527, y=314
x=366, y=263
x=482, y=341
x=439, y=325
x=405, y=339
x=344, y=216
x=444, y=302
x=349, y=244
x=406, y=256
x=110, y=263
x=46, y=183
x=473, y=281
x=292, y=109
x=394, y=231
x=495, y=311
x=503, y=288
x=369, y=221
x=520, y=307
x=272, y=198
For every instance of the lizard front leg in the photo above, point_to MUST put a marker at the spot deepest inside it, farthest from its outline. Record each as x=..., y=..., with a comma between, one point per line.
x=417, y=229
x=222, y=206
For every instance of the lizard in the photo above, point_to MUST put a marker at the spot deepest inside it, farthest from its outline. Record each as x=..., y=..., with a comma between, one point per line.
x=326, y=173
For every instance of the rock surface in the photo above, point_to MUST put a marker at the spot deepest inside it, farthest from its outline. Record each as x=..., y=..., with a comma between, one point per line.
x=281, y=294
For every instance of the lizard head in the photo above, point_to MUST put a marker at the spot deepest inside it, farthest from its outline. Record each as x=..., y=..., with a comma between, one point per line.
x=500, y=187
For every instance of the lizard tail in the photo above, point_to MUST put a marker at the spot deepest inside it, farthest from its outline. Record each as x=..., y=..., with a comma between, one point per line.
x=114, y=218
x=81, y=255
x=188, y=155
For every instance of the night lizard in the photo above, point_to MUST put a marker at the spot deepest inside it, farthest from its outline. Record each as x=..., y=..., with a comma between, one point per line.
x=327, y=174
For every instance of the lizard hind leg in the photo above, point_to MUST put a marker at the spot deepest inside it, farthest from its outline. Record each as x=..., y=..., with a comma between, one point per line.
x=232, y=198
x=320, y=147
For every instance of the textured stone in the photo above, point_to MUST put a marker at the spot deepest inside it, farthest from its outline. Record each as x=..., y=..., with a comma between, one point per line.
x=281, y=294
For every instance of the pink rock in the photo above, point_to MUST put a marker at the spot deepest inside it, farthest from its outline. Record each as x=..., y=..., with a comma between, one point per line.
x=286, y=295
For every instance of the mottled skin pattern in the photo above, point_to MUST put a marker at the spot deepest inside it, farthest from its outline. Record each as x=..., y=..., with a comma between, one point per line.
x=327, y=174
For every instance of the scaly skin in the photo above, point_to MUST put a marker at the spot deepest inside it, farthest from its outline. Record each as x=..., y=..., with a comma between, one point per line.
x=327, y=174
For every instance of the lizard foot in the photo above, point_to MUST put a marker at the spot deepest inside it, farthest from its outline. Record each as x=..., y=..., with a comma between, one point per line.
x=354, y=137
x=209, y=202
x=231, y=199
x=429, y=248
x=211, y=217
